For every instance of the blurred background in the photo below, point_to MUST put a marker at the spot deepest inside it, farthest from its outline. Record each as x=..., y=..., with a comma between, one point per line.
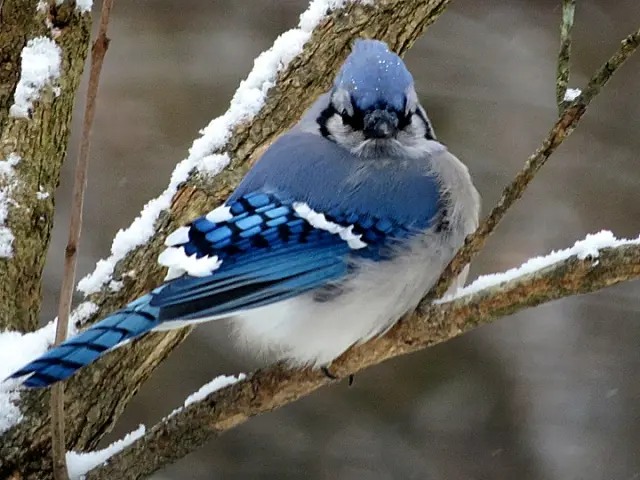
x=550, y=393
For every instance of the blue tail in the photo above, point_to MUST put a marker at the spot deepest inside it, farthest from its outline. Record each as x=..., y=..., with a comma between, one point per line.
x=61, y=362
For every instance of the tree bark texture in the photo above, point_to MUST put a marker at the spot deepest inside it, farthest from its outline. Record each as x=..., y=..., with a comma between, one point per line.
x=41, y=143
x=97, y=395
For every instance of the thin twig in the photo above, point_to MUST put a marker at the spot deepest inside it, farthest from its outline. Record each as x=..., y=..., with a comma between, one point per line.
x=265, y=390
x=565, y=125
x=564, y=55
x=98, y=52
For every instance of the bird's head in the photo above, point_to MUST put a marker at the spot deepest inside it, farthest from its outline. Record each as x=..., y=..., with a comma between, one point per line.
x=373, y=107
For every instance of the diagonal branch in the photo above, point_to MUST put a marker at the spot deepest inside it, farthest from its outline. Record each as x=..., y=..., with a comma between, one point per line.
x=564, y=55
x=565, y=125
x=265, y=390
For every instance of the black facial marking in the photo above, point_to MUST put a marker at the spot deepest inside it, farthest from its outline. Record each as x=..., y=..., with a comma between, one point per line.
x=443, y=223
x=324, y=117
x=357, y=120
x=429, y=131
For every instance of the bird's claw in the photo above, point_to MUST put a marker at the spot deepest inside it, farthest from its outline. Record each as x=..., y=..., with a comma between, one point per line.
x=330, y=375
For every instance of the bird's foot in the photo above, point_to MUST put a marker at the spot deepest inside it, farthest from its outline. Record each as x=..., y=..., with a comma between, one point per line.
x=330, y=375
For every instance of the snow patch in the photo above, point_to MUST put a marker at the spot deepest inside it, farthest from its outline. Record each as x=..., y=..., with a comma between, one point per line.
x=319, y=9
x=7, y=183
x=16, y=350
x=79, y=464
x=588, y=247
x=214, y=385
x=40, y=66
x=211, y=165
x=84, y=6
x=245, y=104
x=571, y=94
x=6, y=238
x=80, y=315
x=220, y=214
x=41, y=194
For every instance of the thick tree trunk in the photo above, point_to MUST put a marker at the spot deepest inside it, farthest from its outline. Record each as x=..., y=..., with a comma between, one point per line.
x=40, y=143
x=97, y=396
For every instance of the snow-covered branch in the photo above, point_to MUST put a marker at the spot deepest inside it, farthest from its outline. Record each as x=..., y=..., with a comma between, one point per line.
x=594, y=263
x=564, y=127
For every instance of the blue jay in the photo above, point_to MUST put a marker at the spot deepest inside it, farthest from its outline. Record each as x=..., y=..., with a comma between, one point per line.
x=338, y=230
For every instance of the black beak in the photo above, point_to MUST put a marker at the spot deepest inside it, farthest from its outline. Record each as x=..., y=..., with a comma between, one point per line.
x=380, y=124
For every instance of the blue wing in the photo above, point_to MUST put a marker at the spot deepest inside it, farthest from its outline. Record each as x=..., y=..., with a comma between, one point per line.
x=265, y=252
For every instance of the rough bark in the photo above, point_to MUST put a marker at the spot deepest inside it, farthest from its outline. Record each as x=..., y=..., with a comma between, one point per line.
x=97, y=396
x=41, y=143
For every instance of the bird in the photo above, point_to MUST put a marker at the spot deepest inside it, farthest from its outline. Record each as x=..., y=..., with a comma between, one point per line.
x=337, y=231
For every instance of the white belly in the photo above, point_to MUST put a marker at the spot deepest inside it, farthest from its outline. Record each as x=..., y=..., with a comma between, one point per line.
x=304, y=331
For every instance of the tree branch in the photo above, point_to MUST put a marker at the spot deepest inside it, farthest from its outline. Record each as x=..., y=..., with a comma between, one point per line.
x=98, y=52
x=565, y=125
x=274, y=387
x=115, y=378
x=564, y=55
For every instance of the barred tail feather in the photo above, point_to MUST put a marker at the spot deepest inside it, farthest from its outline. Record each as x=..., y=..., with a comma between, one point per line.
x=62, y=361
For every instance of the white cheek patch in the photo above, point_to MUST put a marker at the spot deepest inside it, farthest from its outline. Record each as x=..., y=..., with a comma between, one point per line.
x=179, y=263
x=318, y=220
x=336, y=127
x=417, y=126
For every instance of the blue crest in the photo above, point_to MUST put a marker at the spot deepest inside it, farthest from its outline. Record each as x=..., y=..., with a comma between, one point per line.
x=374, y=76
